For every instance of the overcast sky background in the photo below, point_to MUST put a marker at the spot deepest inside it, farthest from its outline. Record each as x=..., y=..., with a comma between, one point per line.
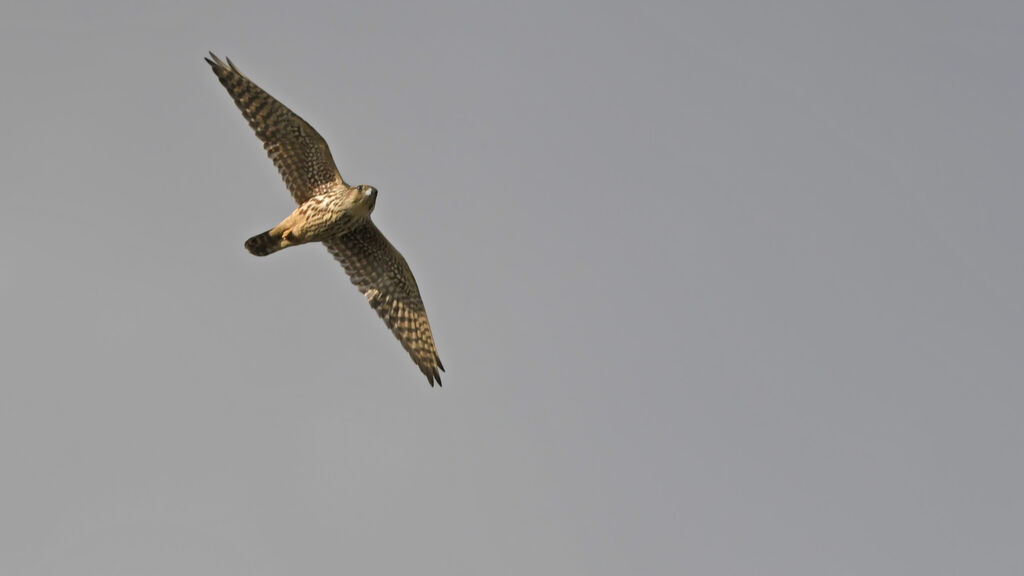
x=722, y=288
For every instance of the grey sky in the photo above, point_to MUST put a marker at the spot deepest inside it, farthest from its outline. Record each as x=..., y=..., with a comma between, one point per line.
x=722, y=288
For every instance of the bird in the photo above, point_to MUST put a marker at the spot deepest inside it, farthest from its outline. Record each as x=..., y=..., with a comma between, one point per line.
x=332, y=212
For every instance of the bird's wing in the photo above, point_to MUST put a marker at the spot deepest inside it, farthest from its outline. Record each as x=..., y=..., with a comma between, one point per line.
x=380, y=273
x=300, y=154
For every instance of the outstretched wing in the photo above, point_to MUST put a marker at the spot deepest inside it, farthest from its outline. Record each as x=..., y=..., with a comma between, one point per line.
x=300, y=154
x=380, y=272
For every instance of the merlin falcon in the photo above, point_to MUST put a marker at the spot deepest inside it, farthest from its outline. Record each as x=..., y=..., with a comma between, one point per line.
x=334, y=213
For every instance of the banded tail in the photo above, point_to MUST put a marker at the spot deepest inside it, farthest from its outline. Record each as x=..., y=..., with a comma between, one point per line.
x=266, y=243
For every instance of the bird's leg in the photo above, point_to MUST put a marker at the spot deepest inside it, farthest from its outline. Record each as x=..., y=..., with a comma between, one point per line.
x=289, y=230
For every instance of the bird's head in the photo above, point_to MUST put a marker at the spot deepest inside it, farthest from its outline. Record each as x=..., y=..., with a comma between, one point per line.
x=368, y=196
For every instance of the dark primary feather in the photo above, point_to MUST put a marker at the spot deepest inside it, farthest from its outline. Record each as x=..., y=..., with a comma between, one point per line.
x=381, y=273
x=299, y=152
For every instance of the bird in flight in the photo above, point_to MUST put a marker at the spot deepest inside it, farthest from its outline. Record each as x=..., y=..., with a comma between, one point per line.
x=334, y=213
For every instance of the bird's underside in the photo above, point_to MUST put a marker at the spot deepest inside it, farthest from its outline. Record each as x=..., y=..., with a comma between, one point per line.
x=332, y=212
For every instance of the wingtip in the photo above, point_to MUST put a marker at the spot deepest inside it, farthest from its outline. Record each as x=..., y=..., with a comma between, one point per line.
x=217, y=64
x=432, y=376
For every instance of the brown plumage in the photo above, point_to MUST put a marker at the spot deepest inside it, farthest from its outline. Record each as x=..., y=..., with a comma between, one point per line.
x=332, y=212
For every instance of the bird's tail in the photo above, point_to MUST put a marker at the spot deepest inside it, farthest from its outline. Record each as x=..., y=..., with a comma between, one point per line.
x=263, y=244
